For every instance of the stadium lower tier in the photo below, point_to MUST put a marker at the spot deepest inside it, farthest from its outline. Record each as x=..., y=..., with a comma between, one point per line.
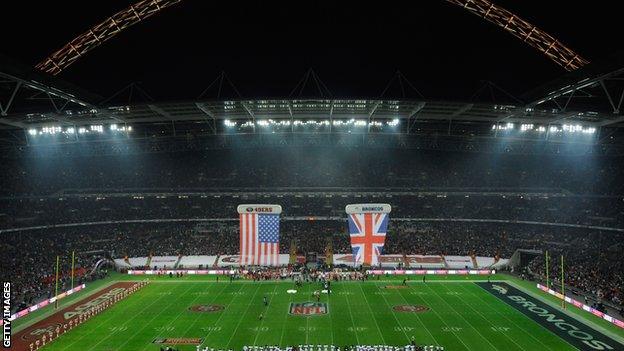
x=594, y=264
x=192, y=312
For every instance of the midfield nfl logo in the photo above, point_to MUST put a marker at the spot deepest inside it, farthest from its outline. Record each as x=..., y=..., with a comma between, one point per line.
x=308, y=308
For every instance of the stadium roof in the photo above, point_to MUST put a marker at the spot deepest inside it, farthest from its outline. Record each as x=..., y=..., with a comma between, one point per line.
x=303, y=109
x=590, y=96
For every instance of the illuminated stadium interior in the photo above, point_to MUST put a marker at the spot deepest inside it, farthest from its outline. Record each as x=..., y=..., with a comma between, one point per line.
x=327, y=216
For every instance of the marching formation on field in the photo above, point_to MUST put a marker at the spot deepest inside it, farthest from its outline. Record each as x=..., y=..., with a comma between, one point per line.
x=338, y=348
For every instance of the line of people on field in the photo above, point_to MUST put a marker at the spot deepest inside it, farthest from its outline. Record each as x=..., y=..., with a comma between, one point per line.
x=411, y=347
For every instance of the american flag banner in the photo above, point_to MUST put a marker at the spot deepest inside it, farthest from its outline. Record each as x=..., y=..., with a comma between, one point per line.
x=259, y=234
x=368, y=224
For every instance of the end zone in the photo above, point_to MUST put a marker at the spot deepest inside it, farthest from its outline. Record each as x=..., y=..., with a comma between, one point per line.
x=69, y=317
x=576, y=333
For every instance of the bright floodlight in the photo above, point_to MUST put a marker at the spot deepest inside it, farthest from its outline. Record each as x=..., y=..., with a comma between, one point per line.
x=32, y=132
x=394, y=122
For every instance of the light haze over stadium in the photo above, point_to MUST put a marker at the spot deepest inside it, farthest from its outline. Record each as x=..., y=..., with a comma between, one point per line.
x=336, y=177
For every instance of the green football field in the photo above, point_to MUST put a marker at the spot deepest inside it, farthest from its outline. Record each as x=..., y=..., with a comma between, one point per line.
x=459, y=315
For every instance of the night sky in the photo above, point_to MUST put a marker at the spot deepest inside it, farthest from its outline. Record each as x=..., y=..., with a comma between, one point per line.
x=266, y=46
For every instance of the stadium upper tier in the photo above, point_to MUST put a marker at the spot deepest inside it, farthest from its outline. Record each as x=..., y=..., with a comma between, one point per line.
x=252, y=170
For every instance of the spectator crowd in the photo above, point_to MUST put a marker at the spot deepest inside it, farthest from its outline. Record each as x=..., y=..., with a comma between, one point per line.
x=593, y=256
x=185, y=204
x=255, y=169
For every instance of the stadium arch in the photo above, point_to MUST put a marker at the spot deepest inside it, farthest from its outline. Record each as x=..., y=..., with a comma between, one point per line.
x=545, y=43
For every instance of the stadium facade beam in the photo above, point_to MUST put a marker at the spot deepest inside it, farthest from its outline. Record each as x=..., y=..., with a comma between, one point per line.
x=331, y=115
x=203, y=108
x=611, y=122
x=372, y=112
x=561, y=118
x=414, y=114
x=616, y=108
x=583, y=83
x=461, y=110
x=10, y=123
x=161, y=112
x=292, y=118
x=52, y=91
x=5, y=109
x=250, y=112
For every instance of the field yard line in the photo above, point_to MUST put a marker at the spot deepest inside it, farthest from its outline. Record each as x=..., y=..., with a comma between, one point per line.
x=373, y=314
x=331, y=325
x=262, y=322
x=199, y=314
x=440, y=318
x=352, y=321
x=485, y=319
x=110, y=317
x=417, y=317
x=222, y=314
x=144, y=326
x=241, y=317
x=283, y=329
x=401, y=325
x=462, y=317
x=507, y=318
x=308, y=319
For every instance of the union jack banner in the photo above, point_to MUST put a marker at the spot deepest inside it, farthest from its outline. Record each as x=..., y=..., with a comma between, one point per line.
x=368, y=234
x=259, y=234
